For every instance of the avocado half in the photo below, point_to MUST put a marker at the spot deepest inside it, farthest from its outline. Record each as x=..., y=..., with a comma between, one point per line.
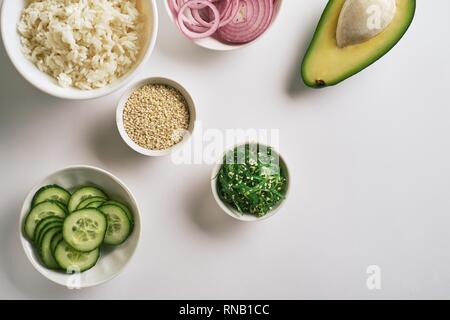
x=326, y=64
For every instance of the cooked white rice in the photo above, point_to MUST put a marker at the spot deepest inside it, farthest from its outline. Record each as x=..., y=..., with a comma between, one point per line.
x=82, y=43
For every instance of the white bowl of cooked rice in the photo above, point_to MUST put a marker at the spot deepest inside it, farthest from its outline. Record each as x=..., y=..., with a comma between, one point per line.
x=79, y=50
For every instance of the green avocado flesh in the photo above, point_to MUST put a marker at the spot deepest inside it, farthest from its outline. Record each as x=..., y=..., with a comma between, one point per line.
x=325, y=64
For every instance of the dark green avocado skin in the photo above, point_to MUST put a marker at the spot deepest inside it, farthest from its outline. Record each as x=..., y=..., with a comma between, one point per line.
x=322, y=83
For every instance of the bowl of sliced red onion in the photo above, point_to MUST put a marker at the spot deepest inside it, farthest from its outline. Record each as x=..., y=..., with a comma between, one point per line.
x=223, y=24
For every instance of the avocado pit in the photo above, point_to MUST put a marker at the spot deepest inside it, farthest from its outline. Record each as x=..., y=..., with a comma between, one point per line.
x=362, y=20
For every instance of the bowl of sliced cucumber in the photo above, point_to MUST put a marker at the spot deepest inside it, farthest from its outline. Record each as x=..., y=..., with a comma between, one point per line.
x=80, y=226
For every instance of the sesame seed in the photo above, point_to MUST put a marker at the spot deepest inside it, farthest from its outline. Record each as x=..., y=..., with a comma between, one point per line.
x=156, y=116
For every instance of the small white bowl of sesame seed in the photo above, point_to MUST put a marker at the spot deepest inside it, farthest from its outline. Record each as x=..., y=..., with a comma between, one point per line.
x=155, y=116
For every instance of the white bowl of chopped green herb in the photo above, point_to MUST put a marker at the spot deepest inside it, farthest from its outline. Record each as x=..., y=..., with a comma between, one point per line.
x=250, y=182
x=70, y=203
x=156, y=116
x=79, y=49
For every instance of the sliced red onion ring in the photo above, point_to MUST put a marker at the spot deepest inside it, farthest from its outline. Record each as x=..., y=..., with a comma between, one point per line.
x=194, y=4
x=252, y=21
x=175, y=5
x=226, y=9
x=229, y=21
x=233, y=11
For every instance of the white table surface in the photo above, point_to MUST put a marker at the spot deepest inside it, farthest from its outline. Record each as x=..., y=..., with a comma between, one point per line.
x=369, y=159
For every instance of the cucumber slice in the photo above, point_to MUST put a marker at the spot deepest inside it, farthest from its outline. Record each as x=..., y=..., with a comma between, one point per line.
x=72, y=260
x=45, y=248
x=51, y=192
x=53, y=225
x=82, y=194
x=39, y=212
x=41, y=224
x=55, y=240
x=84, y=204
x=44, y=226
x=84, y=230
x=124, y=208
x=95, y=205
x=119, y=226
x=63, y=206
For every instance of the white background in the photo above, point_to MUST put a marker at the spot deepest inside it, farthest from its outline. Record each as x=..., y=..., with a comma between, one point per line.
x=370, y=164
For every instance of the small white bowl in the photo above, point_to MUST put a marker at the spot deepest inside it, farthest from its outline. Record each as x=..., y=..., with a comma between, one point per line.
x=121, y=107
x=216, y=45
x=112, y=261
x=232, y=211
x=10, y=15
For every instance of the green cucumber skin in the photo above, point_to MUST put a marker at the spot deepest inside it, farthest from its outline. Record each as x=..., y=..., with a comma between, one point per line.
x=68, y=239
x=26, y=222
x=86, y=202
x=44, y=252
x=129, y=231
x=62, y=206
x=42, y=224
x=63, y=267
x=55, y=241
x=94, y=205
x=125, y=208
x=54, y=250
x=90, y=192
x=35, y=200
x=52, y=225
x=45, y=230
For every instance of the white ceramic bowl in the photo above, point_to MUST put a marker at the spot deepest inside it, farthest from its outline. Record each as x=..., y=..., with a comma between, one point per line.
x=213, y=44
x=121, y=107
x=10, y=15
x=112, y=260
x=232, y=211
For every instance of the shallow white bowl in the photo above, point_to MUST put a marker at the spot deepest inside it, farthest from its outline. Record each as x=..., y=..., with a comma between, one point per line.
x=232, y=211
x=10, y=14
x=121, y=107
x=112, y=260
x=214, y=44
